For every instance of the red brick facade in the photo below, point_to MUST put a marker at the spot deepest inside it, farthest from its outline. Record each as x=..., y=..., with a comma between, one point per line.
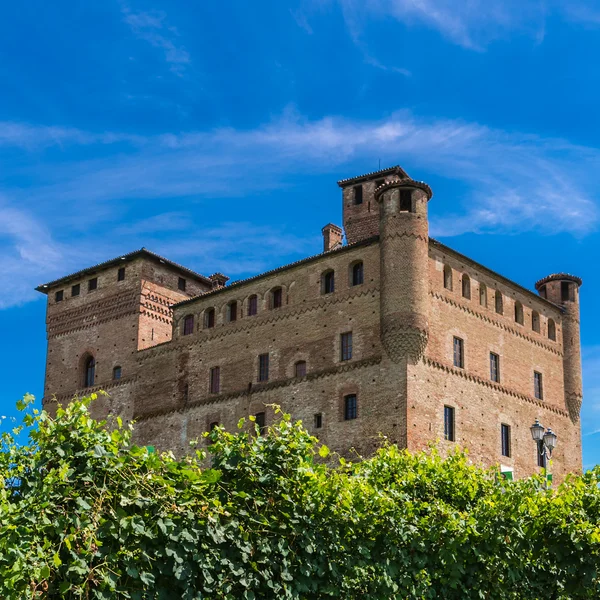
x=403, y=297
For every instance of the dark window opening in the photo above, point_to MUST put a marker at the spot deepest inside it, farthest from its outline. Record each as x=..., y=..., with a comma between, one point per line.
x=567, y=291
x=58, y=297
x=261, y=422
x=543, y=292
x=318, y=420
x=346, y=345
x=213, y=425
x=406, y=200
x=116, y=372
x=551, y=330
x=358, y=194
x=466, y=287
x=328, y=282
x=188, y=325
x=350, y=407
x=300, y=368
x=263, y=367
x=535, y=321
x=252, y=305
x=232, y=311
x=448, y=277
x=499, y=303
x=519, y=318
x=494, y=367
x=121, y=274
x=215, y=380
x=90, y=372
x=357, y=273
x=538, y=385
x=181, y=284
x=92, y=284
x=209, y=318
x=505, y=437
x=277, y=298
x=76, y=290
x=449, y=423
x=459, y=357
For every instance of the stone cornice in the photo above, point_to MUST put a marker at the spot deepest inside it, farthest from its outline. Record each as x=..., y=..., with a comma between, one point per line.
x=484, y=317
x=493, y=385
x=265, y=387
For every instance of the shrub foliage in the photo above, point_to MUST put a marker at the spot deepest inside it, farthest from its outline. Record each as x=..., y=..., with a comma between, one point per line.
x=85, y=514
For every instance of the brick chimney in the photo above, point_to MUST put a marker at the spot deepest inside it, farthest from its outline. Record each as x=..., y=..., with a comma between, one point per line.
x=332, y=237
x=218, y=280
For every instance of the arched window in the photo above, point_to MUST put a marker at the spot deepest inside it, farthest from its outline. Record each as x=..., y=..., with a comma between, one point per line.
x=519, y=313
x=535, y=321
x=448, y=277
x=357, y=273
x=327, y=282
x=252, y=305
x=483, y=294
x=300, y=368
x=552, y=330
x=116, y=373
x=466, y=286
x=90, y=372
x=188, y=325
x=232, y=311
x=276, y=300
x=209, y=318
x=499, y=303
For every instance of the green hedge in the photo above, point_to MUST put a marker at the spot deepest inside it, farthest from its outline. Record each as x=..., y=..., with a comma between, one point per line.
x=83, y=514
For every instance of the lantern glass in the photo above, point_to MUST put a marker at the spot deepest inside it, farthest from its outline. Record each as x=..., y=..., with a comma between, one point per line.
x=550, y=439
x=537, y=431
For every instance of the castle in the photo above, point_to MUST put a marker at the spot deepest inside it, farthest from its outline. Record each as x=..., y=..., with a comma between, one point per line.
x=392, y=334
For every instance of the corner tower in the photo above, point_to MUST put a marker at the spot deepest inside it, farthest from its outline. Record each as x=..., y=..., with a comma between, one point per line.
x=404, y=255
x=563, y=289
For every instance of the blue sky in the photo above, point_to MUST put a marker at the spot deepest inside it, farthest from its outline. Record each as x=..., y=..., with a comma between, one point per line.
x=214, y=133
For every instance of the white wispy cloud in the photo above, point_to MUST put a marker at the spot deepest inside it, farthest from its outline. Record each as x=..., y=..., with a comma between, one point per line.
x=153, y=28
x=541, y=184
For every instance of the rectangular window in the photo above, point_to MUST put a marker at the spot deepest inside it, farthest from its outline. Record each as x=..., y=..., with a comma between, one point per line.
x=406, y=200
x=300, y=368
x=263, y=367
x=358, y=194
x=252, y=306
x=188, y=325
x=346, y=345
x=215, y=380
x=564, y=291
x=449, y=423
x=93, y=284
x=75, y=289
x=121, y=274
x=181, y=284
x=505, y=437
x=494, y=367
x=459, y=357
x=318, y=421
x=350, y=407
x=277, y=298
x=261, y=422
x=538, y=385
x=58, y=297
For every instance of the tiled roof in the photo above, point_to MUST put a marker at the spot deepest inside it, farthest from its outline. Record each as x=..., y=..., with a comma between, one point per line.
x=397, y=169
x=142, y=252
x=406, y=181
x=558, y=277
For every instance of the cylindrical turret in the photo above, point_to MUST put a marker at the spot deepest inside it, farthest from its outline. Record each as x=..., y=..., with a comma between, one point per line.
x=404, y=252
x=563, y=289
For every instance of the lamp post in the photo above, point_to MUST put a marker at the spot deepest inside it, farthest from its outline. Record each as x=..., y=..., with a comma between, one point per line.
x=546, y=442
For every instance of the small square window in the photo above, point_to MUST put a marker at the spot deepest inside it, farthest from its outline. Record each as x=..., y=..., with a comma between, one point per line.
x=449, y=423
x=121, y=274
x=93, y=284
x=181, y=284
x=58, y=297
x=318, y=421
x=75, y=290
x=350, y=407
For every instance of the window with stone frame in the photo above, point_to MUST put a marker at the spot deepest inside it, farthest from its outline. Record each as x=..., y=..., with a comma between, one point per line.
x=346, y=346
x=458, y=353
x=252, y=305
x=263, y=367
x=209, y=318
x=495, y=367
x=350, y=407
x=449, y=432
x=328, y=282
x=538, y=385
x=357, y=273
x=300, y=368
x=188, y=325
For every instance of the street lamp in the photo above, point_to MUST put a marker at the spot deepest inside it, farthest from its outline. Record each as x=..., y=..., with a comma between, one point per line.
x=545, y=440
